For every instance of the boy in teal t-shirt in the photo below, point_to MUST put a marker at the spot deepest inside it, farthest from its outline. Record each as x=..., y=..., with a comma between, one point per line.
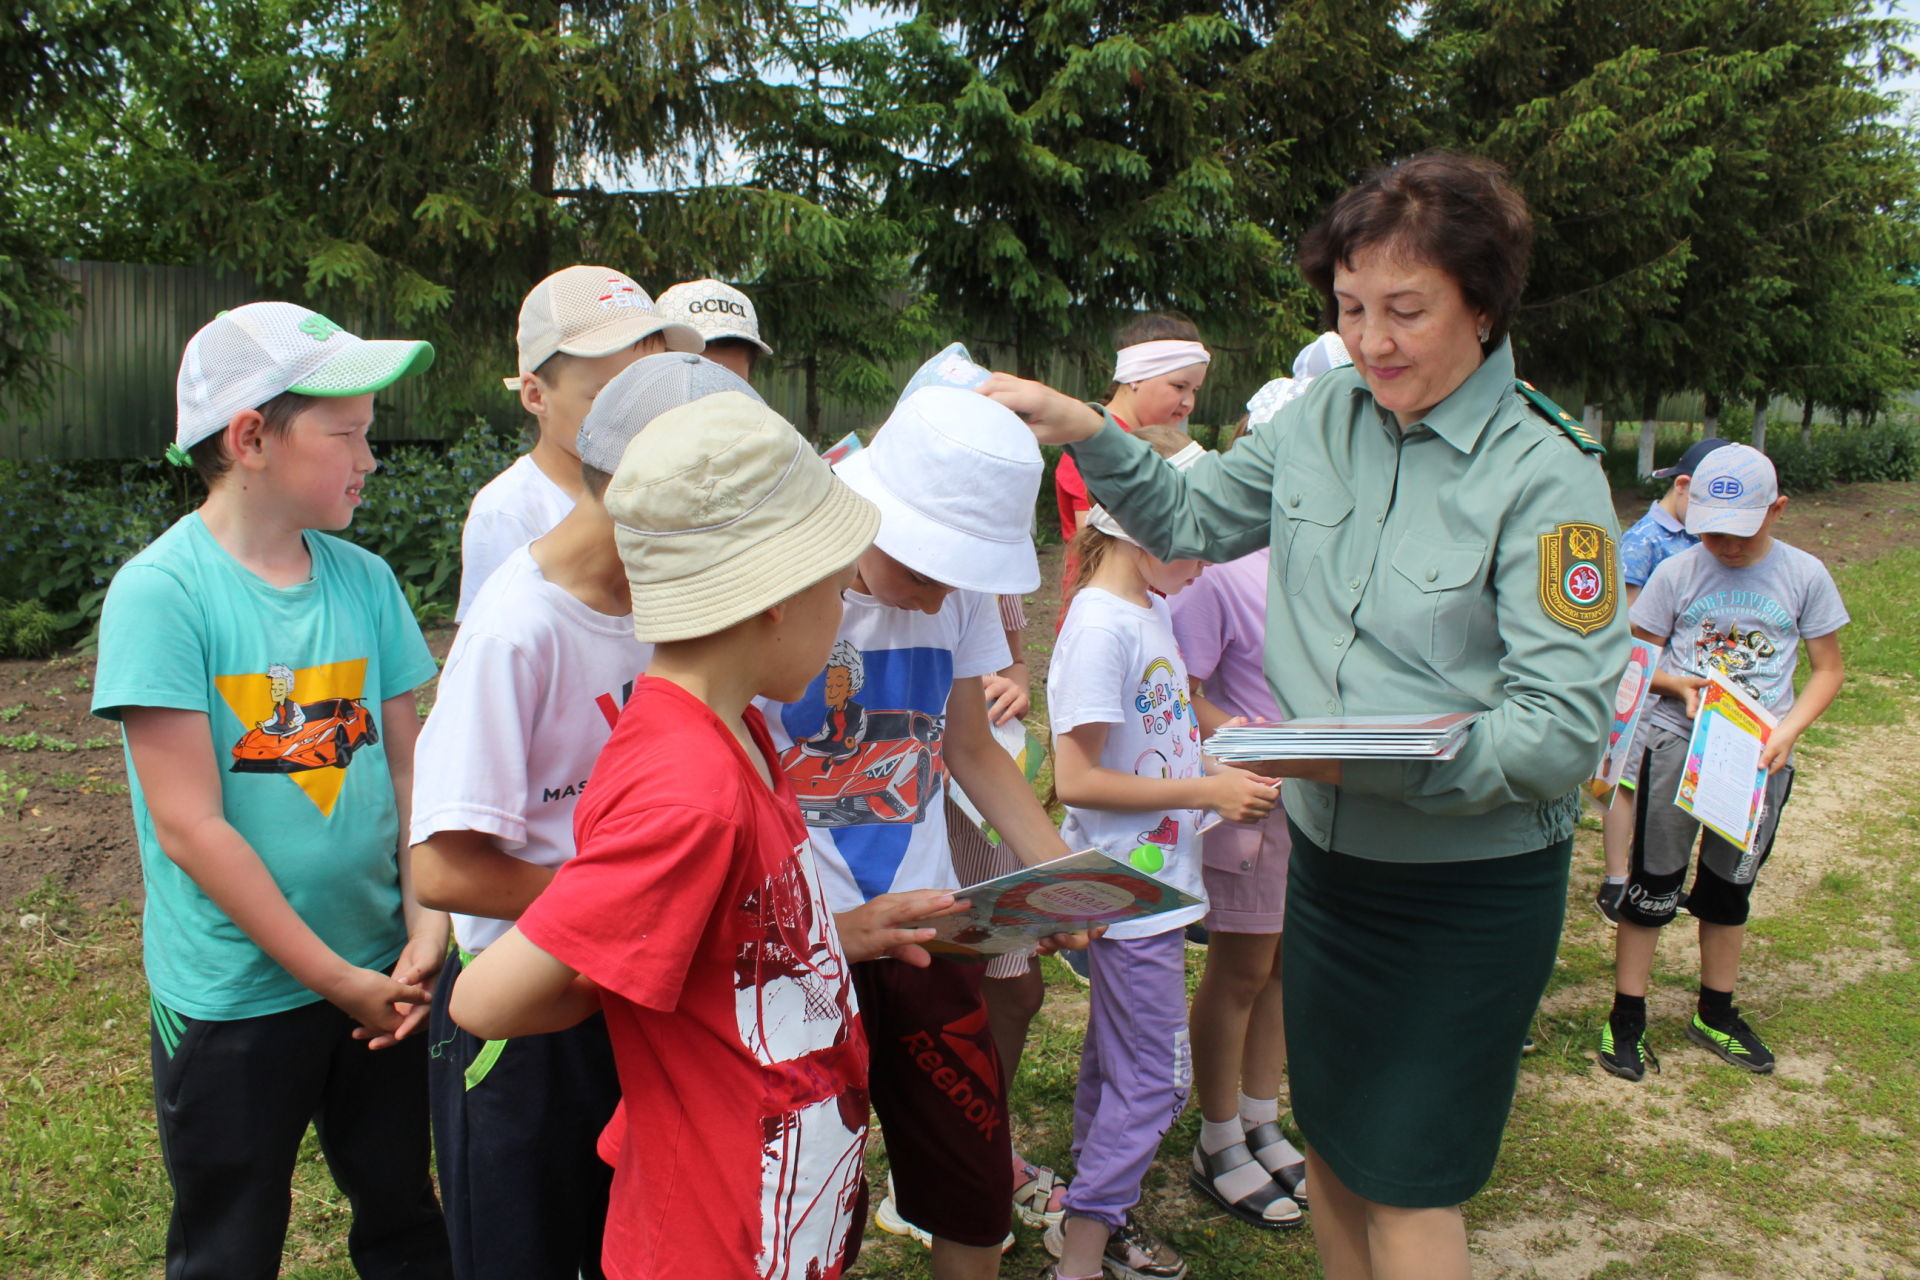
x=264, y=674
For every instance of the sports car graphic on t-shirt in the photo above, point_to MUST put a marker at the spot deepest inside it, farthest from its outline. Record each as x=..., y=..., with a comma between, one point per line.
x=862, y=766
x=886, y=776
x=311, y=741
x=865, y=757
x=324, y=736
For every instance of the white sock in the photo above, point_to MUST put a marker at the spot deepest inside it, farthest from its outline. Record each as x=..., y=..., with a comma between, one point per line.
x=1217, y=1135
x=1616, y=879
x=1258, y=1111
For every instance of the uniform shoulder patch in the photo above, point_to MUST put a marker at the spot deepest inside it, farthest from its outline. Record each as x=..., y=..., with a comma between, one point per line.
x=1578, y=573
x=1558, y=417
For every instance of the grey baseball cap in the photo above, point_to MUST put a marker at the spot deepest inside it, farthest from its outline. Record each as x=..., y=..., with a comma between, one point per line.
x=642, y=392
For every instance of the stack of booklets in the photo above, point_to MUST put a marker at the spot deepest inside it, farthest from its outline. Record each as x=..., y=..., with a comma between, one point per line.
x=1344, y=738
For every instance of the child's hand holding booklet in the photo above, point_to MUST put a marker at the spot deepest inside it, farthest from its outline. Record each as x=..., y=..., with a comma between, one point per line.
x=1068, y=895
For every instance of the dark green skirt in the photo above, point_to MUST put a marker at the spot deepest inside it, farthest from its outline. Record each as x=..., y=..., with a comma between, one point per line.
x=1409, y=989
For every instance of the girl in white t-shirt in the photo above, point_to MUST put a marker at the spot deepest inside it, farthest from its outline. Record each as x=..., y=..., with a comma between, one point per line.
x=1127, y=764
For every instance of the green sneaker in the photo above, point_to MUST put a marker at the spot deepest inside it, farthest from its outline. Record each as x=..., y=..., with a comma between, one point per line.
x=1737, y=1042
x=1626, y=1054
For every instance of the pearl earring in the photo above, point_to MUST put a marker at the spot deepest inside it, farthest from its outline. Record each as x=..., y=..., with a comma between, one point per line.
x=1485, y=331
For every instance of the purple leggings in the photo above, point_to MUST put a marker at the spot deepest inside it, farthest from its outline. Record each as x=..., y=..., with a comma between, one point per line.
x=1136, y=1070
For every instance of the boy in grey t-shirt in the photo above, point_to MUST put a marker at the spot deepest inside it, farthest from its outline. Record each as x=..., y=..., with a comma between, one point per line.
x=1738, y=606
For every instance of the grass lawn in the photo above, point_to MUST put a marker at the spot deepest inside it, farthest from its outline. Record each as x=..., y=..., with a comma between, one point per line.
x=1699, y=1171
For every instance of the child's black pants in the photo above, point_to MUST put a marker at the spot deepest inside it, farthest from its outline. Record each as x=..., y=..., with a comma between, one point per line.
x=233, y=1100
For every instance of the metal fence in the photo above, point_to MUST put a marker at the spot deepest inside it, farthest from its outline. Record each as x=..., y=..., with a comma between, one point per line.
x=113, y=393
x=113, y=396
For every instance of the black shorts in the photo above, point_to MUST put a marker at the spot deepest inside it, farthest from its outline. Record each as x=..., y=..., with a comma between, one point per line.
x=940, y=1096
x=1663, y=845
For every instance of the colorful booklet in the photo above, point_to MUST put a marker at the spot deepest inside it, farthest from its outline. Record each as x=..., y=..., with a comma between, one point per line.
x=951, y=366
x=1722, y=783
x=1629, y=700
x=1012, y=912
x=842, y=449
x=1344, y=738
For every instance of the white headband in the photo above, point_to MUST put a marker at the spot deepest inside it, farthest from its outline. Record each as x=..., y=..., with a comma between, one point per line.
x=1145, y=360
x=1105, y=523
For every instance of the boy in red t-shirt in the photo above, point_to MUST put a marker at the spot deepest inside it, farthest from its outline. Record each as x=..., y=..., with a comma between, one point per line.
x=691, y=915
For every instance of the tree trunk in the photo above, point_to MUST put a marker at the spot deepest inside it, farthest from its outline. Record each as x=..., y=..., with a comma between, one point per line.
x=1710, y=423
x=1761, y=401
x=811, y=366
x=1649, y=405
x=1598, y=425
x=1844, y=413
x=1806, y=424
x=541, y=159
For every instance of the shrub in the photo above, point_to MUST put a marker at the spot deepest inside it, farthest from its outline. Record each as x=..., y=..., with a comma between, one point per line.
x=1854, y=455
x=70, y=528
x=27, y=629
x=414, y=508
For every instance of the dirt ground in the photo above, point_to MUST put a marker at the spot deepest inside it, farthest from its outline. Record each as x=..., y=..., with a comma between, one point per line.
x=73, y=825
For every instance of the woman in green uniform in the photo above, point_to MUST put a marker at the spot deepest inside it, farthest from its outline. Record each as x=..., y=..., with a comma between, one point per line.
x=1441, y=542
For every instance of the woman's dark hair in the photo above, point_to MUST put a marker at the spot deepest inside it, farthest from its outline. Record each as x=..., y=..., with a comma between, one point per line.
x=1454, y=212
x=210, y=457
x=1154, y=326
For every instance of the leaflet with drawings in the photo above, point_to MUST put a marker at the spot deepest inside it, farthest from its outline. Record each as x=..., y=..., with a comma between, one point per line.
x=1011, y=912
x=1722, y=783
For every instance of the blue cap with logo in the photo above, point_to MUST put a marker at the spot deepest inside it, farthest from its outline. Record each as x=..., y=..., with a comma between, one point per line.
x=1732, y=489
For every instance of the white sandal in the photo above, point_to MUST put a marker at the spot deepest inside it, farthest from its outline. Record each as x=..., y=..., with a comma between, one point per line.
x=1038, y=1195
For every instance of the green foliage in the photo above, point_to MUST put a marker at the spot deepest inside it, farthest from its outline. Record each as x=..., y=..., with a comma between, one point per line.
x=1085, y=160
x=1705, y=159
x=415, y=505
x=13, y=794
x=58, y=59
x=1722, y=201
x=27, y=630
x=71, y=528
x=1836, y=455
x=1890, y=451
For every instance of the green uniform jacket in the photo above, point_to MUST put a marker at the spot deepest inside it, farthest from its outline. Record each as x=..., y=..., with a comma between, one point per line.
x=1465, y=565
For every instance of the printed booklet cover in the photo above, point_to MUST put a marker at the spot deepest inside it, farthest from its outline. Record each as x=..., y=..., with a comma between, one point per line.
x=1722, y=783
x=1629, y=700
x=1011, y=912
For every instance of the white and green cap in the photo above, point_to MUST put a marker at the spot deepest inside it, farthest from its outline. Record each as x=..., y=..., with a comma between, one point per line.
x=247, y=356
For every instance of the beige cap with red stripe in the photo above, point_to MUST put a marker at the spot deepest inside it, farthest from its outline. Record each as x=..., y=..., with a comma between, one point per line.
x=591, y=311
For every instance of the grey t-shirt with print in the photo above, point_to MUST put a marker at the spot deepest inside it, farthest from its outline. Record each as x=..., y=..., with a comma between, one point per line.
x=1744, y=623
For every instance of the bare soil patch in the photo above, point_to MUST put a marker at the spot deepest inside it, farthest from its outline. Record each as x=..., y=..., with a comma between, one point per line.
x=74, y=826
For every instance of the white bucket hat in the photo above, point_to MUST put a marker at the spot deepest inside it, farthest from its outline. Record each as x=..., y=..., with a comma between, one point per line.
x=955, y=476
x=722, y=511
x=589, y=312
x=716, y=309
x=245, y=357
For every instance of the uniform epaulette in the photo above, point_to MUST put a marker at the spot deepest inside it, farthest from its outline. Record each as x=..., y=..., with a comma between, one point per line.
x=1559, y=417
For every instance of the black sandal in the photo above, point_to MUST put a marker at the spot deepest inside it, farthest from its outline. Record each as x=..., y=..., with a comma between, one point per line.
x=1263, y=1205
x=1291, y=1178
